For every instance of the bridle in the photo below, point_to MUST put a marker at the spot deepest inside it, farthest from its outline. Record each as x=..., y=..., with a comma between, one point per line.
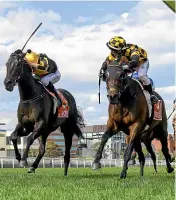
x=118, y=85
x=21, y=64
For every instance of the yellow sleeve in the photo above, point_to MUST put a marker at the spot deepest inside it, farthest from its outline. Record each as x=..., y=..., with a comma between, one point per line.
x=111, y=57
x=143, y=52
x=135, y=54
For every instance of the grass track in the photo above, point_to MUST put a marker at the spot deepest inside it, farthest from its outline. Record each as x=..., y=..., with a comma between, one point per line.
x=85, y=184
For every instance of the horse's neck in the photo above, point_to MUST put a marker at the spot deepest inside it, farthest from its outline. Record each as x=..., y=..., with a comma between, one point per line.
x=28, y=87
x=129, y=92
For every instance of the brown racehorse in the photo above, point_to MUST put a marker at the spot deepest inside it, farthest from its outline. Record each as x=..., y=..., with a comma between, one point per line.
x=128, y=112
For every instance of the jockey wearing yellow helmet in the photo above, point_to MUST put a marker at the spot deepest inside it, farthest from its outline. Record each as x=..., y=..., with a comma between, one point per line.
x=46, y=69
x=133, y=56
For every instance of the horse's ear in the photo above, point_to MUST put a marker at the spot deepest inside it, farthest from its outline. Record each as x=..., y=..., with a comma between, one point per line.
x=23, y=55
x=18, y=51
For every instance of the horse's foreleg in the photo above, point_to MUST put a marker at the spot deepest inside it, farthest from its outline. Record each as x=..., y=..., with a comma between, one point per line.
x=138, y=148
x=42, y=143
x=134, y=132
x=18, y=132
x=98, y=155
x=38, y=128
x=133, y=157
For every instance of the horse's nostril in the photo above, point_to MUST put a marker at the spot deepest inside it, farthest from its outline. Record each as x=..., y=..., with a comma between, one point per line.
x=8, y=82
x=111, y=97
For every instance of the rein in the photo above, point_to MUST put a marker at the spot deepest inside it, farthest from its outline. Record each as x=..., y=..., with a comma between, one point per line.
x=35, y=98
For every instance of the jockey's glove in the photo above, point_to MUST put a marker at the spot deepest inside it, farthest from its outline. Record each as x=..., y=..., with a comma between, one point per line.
x=132, y=65
x=125, y=67
x=101, y=73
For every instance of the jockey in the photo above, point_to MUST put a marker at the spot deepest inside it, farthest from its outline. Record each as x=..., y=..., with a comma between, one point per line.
x=134, y=56
x=153, y=84
x=46, y=69
x=135, y=76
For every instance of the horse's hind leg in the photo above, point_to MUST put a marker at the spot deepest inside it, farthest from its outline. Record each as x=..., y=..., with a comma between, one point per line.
x=68, y=134
x=152, y=153
x=68, y=144
x=165, y=151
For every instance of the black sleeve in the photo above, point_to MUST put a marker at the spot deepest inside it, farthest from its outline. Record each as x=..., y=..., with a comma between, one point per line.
x=52, y=66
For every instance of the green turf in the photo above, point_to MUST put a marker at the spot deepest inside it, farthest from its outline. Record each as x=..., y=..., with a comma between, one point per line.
x=85, y=184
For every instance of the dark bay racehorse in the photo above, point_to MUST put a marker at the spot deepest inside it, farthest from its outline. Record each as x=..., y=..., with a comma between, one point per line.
x=35, y=112
x=128, y=112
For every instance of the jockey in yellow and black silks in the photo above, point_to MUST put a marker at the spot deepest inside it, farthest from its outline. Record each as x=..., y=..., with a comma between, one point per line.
x=135, y=57
x=46, y=69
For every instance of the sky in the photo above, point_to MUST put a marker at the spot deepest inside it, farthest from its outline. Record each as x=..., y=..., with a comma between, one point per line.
x=74, y=34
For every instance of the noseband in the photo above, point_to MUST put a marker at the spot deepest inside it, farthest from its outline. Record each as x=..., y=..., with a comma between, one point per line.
x=117, y=86
x=21, y=64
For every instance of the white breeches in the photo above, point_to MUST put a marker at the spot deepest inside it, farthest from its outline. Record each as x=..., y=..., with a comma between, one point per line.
x=53, y=78
x=142, y=73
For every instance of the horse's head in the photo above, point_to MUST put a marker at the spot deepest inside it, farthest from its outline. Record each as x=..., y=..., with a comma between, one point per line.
x=14, y=69
x=115, y=82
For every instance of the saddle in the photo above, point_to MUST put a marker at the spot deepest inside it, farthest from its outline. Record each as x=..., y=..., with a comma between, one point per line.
x=63, y=110
x=155, y=110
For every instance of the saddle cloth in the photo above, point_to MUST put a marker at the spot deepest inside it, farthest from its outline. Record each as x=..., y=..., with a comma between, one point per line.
x=62, y=111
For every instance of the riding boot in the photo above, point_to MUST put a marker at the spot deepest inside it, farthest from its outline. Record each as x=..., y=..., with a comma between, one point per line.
x=154, y=99
x=51, y=88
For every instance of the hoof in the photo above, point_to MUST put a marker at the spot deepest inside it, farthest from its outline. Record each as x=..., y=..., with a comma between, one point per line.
x=96, y=166
x=172, y=159
x=31, y=170
x=24, y=163
x=170, y=170
x=123, y=175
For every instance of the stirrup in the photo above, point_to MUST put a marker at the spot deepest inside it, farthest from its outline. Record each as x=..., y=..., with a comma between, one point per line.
x=59, y=101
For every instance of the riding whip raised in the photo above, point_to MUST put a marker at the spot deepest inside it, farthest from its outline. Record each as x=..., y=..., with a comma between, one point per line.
x=32, y=35
x=99, y=83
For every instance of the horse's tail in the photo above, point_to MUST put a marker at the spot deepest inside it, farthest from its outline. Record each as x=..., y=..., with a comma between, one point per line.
x=79, y=124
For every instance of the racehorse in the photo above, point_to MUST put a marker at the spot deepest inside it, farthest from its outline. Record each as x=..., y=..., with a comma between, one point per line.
x=128, y=112
x=36, y=113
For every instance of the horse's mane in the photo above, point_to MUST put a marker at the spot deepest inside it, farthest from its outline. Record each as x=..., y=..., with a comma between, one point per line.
x=134, y=82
